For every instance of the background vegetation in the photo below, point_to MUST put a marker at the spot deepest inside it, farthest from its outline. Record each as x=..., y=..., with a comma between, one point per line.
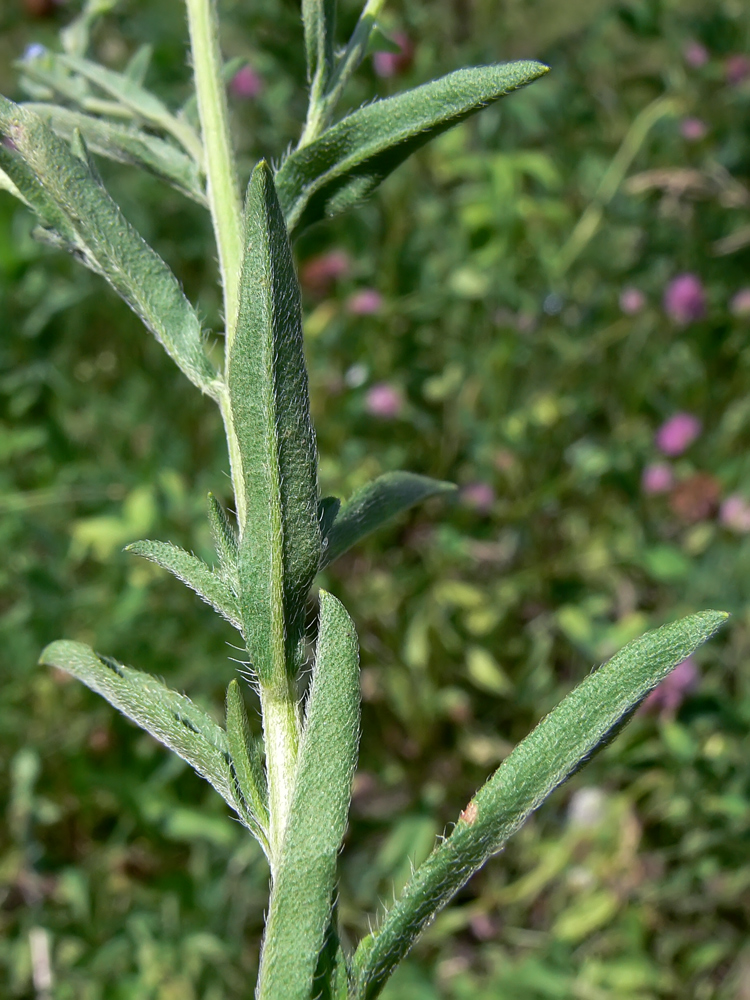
x=502, y=314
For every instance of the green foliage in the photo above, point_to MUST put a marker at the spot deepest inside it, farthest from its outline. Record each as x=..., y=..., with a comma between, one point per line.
x=347, y=162
x=371, y=507
x=267, y=384
x=556, y=410
x=305, y=874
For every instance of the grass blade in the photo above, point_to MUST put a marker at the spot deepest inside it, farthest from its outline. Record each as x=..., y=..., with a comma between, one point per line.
x=72, y=203
x=347, y=161
x=267, y=383
x=208, y=585
x=302, y=894
x=373, y=505
x=580, y=725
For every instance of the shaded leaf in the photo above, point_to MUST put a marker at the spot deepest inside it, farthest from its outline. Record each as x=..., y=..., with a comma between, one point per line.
x=349, y=160
x=79, y=214
x=247, y=764
x=305, y=873
x=579, y=726
x=267, y=382
x=225, y=540
x=373, y=505
x=207, y=584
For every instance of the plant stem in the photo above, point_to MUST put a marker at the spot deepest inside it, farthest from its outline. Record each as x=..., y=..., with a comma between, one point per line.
x=235, y=457
x=281, y=738
x=321, y=107
x=223, y=196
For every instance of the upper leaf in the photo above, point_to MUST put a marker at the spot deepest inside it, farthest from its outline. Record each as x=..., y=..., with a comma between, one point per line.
x=373, y=505
x=170, y=717
x=344, y=165
x=267, y=382
x=305, y=873
x=580, y=725
x=319, y=20
x=74, y=206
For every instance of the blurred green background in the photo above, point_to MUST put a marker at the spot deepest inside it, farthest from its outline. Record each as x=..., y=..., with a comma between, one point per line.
x=519, y=344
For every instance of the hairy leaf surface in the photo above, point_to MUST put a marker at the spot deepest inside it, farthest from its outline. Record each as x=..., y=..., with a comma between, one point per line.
x=580, y=725
x=73, y=204
x=374, y=505
x=267, y=381
x=208, y=584
x=302, y=893
x=350, y=159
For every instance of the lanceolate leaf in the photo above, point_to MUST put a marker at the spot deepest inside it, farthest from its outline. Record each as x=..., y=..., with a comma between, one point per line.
x=267, y=382
x=73, y=203
x=247, y=764
x=209, y=585
x=373, y=505
x=305, y=873
x=170, y=717
x=351, y=158
x=581, y=724
x=127, y=145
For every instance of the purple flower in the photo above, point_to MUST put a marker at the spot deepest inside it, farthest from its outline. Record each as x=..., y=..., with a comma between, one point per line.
x=657, y=478
x=670, y=694
x=632, y=300
x=479, y=496
x=695, y=54
x=693, y=129
x=737, y=70
x=33, y=51
x=678, y=433
x=383, y=400
x=388, y=64
x=740, y=304
x=735, y=514
x=319, y=274
x=365, y=302
x=685, y=299
x=246, y=83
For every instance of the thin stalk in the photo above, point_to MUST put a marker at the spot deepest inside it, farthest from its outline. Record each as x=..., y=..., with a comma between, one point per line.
x=320, y=109
x=235, y=457
x=223, y=188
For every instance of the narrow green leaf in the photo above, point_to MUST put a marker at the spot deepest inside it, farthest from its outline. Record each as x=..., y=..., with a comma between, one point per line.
x=209, y=585
x=343, y=166
x=301, y=898
x=128, y=92
x=247, y=763
x=170, y=717
x=373, y=505
x=71, y=202
x=127, y=145
x=225, y=540
x=580, y=725
x=267, y=383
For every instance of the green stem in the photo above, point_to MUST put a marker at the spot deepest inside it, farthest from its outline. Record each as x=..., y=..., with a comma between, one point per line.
x=281, y=739
x=223, y=196
x=321, y=108
x=235, y=457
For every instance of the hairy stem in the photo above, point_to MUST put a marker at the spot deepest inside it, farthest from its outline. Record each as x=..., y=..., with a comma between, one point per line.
x=223, y=189
x=281, y=738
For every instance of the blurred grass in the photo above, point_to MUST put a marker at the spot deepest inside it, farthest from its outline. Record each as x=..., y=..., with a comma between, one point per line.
x=526, y=385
